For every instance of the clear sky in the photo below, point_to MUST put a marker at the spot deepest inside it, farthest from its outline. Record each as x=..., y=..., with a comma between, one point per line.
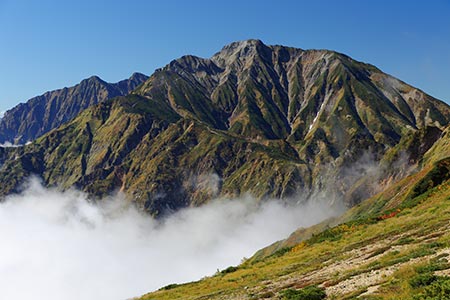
x=49, y=44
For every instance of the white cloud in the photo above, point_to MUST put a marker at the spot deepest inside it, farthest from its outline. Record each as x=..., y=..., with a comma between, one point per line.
x=58, y=246
x=9, y=145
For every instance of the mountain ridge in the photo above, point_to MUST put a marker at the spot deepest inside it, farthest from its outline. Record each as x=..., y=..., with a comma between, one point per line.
x=27, y=121
x=273, y=121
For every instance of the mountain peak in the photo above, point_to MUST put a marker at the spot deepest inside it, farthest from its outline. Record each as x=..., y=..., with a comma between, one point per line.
x=238, y=46
x=93, y=78
x=138, y=76
x=240, y=50
x=244, y=43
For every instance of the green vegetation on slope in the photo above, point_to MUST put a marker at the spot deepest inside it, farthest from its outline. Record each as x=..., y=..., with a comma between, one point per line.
x=399, y=250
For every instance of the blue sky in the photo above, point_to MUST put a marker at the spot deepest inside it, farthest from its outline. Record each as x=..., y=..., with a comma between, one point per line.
x=50, y=44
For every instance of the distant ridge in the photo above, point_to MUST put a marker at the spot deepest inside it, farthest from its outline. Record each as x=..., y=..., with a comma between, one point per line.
x=27, y=121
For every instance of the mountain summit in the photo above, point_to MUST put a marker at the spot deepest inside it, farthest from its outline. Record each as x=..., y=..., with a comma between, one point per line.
x=269, y=120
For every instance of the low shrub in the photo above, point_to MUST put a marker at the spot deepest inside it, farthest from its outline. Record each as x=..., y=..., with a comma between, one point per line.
x=228, y=270
x=169, y=287
x=281, y=252
x=332, y=234
x=311, y=292
x=439, y=289
x=421, y=280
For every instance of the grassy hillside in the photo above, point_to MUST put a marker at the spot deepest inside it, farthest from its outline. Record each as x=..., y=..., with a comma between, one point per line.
x=395, y=245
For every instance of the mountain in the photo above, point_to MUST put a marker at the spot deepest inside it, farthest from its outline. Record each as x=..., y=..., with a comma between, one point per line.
x=272, y=121
x=27, y=121
x=275, y=92
x=394, y=245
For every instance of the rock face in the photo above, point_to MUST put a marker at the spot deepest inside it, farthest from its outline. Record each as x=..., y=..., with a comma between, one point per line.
x=39, y=115
x=269, y=120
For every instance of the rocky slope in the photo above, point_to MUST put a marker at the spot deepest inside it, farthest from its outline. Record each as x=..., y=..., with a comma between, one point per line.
x=39, y=115
x=269, y=120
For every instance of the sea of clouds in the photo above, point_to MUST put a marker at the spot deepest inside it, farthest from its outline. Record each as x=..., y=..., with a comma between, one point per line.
x=57, y=245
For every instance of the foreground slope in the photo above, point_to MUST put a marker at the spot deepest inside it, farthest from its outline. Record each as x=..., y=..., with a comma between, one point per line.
x=395, y=245
x=27, y=121
x=273, y=121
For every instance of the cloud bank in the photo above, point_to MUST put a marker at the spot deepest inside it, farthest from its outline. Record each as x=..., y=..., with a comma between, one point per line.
x=59, y=246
